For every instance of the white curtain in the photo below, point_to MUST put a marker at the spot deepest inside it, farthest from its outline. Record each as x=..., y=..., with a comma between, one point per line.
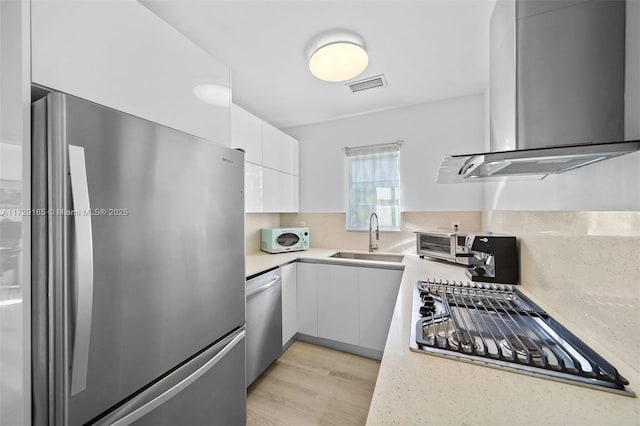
x=373, y=185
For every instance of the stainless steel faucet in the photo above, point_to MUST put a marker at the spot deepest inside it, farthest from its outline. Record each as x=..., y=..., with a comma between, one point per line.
x=371, y=246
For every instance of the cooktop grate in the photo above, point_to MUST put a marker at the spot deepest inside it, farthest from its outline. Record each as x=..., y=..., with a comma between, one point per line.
x=498, y=325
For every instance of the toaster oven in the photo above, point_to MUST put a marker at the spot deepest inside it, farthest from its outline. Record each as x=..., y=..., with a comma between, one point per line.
x=280, y=240
x=444, y=245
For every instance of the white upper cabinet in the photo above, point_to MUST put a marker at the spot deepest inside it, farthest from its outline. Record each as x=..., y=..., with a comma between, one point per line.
x=279, y=192
x=271, y=164
x=246, y=133
x=279, y=150
x=121, y=55
x=253, y=188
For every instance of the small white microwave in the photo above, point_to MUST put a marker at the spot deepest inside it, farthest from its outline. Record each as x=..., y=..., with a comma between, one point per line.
x=280, y=240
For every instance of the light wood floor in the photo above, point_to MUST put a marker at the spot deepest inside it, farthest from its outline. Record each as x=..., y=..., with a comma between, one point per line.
x=313, y=385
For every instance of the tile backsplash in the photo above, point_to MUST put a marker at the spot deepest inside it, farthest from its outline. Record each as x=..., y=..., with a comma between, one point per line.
x=253, y=223
x=585, y=265
x=327, y=230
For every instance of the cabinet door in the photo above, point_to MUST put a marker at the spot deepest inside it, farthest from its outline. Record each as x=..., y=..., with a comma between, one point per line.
x=378, y=290
x=253, y=200
x=246, y=133
x=280, y=151
x=289, y=302
x=338, y=303
x=289, y=188
x=269, y=191
x=307, y=299
x=279, y=191
x=121, y=55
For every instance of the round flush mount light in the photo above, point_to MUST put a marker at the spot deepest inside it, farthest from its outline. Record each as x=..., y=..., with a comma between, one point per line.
x=337, y=56
x=213, y=94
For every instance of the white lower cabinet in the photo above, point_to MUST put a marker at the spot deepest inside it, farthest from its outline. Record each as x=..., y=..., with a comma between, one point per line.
x=338, y=303
x=348, y=304
x=307, y=298
x=377, y=290
x=289, y=302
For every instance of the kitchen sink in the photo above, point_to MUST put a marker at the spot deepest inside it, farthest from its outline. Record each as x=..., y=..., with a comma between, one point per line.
x=397, y=258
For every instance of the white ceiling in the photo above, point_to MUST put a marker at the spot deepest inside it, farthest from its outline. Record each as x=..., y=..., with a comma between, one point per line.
x=428, y=50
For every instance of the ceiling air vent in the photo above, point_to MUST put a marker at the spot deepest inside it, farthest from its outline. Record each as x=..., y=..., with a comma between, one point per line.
x=367, y=83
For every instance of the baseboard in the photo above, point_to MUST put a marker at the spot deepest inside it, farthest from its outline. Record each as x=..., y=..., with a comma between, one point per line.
x=339, y=346
x=288, y=344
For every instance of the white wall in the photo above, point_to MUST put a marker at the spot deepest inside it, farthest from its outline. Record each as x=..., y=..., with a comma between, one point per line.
x=430, y=131
x=120, y=54
x=611, y=185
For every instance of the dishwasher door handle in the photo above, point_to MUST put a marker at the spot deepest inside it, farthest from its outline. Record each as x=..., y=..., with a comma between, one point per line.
x=264, y=287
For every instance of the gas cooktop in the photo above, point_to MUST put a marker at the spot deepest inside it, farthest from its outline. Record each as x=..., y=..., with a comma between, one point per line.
x=498, y=326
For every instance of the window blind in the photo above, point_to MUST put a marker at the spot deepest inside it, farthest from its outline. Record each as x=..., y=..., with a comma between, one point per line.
x=373, y=186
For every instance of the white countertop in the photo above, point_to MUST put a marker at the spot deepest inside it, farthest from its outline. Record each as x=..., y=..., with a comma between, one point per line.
x=261, y=261
x=421, y=389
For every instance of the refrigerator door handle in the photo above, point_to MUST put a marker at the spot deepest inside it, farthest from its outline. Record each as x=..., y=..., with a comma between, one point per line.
x=83, y=241
x=264, y=287
x=183, y=384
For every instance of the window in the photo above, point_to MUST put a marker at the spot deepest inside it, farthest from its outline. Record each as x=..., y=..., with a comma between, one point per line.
x=373, y=186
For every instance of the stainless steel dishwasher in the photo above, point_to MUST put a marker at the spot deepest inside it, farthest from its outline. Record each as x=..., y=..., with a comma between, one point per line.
x=264, y=322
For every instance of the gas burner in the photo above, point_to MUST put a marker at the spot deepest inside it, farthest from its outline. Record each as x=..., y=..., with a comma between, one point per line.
x=496, y=325
x=522, y=346
x=461, y=340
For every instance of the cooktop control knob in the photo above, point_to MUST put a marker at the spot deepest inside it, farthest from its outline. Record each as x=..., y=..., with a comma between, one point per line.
x=427, y=311
x=426, y=296
x=429, y=305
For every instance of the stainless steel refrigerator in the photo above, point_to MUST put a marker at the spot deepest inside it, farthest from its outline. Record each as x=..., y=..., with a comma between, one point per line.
x=138, y=271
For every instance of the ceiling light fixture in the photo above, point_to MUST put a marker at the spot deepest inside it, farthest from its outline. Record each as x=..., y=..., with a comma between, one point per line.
x=213, y=94
x=337, y=56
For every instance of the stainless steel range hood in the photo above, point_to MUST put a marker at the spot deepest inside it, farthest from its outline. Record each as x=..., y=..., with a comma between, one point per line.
x=557, y=91
x=528, y=164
